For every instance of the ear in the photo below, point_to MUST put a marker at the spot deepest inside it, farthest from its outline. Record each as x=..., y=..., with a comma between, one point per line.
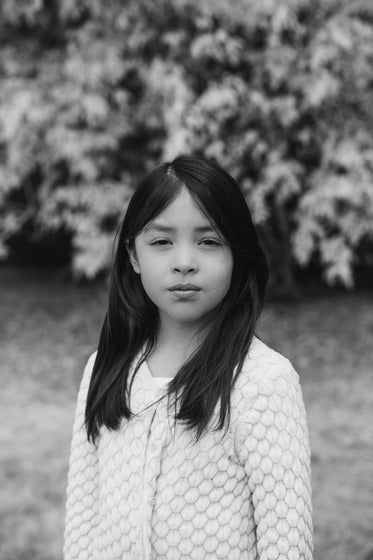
x=133, y=257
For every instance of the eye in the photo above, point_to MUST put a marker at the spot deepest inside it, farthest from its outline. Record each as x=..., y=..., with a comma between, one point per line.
x=160, y=242
x=211, y=242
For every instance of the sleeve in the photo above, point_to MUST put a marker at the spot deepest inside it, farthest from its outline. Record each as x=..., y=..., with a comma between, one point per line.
x=275, y=450
x=82, y=482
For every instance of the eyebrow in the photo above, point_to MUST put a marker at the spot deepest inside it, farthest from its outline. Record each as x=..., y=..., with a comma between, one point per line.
x=170, y=229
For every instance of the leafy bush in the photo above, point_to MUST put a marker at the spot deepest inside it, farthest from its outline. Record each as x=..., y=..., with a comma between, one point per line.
x=278, y=92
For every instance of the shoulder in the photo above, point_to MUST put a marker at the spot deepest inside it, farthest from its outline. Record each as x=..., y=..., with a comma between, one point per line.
x=83, y=390
x=265, y=372
x=87, y=373
x=91, y=362
x=262, y=361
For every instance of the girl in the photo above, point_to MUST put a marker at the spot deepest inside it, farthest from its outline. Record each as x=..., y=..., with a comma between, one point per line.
x=190, y=438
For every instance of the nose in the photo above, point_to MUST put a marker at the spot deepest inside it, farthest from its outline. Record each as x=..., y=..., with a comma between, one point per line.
x=184, y=269
x=184, y=261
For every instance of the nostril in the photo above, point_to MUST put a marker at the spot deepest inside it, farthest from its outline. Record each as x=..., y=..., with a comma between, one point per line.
x=184, y=269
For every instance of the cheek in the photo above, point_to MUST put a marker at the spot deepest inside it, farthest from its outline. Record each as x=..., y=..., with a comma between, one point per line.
x=151, y=274
x=148, y=276
x=221, y=273
x=147, y=262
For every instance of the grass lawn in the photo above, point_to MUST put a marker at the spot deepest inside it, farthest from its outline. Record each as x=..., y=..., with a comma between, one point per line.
x=48, y=330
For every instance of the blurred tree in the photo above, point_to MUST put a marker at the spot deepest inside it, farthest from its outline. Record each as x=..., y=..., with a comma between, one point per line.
x=278, y=92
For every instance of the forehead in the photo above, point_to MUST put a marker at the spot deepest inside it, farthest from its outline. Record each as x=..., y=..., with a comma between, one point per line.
x=182, y=213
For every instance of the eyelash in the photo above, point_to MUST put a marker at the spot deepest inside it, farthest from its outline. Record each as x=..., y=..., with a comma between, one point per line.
x=212, y=243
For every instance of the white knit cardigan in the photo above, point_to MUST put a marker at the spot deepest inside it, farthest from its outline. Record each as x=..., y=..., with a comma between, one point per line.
x=145, y=492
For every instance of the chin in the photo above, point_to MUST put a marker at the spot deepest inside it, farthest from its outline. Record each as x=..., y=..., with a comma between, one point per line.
x=185, y=318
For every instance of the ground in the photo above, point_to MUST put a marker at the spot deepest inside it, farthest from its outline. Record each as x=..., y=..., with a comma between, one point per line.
x=49, y=328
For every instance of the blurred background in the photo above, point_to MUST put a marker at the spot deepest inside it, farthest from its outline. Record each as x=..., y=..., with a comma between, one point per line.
x=92, y=95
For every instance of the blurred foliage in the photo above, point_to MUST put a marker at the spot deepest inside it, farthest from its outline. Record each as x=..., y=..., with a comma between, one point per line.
x=94, y=94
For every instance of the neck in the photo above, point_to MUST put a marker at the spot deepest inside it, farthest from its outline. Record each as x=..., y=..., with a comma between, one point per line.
x=180, y=339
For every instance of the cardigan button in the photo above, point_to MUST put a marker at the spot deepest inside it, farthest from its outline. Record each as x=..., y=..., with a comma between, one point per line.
x=152, y=501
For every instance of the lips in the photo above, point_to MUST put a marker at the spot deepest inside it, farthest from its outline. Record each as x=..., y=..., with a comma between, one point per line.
x=185, y=288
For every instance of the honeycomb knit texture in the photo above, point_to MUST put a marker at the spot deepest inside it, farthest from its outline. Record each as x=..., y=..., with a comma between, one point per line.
x=148, y=491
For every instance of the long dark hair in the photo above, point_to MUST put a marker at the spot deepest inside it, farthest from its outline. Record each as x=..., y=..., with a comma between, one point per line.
x=131, y=321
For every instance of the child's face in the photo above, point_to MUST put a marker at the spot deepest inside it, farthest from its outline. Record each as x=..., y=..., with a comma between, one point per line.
x=180, y=247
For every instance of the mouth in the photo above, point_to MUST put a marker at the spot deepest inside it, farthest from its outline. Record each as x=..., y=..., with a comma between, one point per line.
x=185, y=288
